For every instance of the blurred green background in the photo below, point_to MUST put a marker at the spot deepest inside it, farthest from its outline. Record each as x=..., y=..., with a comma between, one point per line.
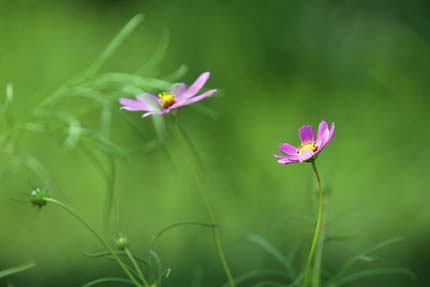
x=278, y=65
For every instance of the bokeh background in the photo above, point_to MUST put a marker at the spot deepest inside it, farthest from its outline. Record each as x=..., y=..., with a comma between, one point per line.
x=278, y=65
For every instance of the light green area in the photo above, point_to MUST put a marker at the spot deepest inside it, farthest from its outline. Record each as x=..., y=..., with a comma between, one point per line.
x=277, y=65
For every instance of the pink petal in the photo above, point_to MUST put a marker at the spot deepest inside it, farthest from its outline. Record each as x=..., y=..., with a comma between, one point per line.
x=150, y=113
x=329, y=136
x=288, y=149
x=323, y=133
x=192, y=100
x=196, y=86
x=201, y=97
x=179, y=91
x=306, y=134
x=305, y=155
x=150, y=99
x=285, y=159
x=134, y=105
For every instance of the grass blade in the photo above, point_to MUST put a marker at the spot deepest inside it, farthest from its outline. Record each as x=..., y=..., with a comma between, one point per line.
x=373, y=272
x=107, y=279
x=17, y=269
x=157, y=57
x=113, y=46
x=347, y=266
x=254, y=274
x=174, y=225
x=121, y=253
x=272, y=250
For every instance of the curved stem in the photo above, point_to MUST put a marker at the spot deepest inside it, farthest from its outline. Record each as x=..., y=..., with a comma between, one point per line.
x=136, y=266
x=317, y=228
x=99, y=238
x=194, y=158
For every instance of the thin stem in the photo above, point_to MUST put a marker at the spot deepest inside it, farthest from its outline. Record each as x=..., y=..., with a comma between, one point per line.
x=136, y=266
x=99, y=238
x=308, y=270
x=194, y=158
x=316, y=273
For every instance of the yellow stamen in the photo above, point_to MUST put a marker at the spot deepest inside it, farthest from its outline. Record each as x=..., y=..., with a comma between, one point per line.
x=166, y=100
x=309, y=146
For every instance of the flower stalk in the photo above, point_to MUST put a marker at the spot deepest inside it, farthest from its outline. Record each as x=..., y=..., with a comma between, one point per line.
x=195, y=160
x=99, y=238
x=316, y=273
x=308, y=270
x=136, y=266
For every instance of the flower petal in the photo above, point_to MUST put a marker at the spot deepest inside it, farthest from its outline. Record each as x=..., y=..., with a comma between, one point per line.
x=329, y=136
x=305, y=155
x=150, y=114
x=192, y=100
x=150, y=99
x=322, y=133
x=160, y=112
x=285, y=159
x=286, y=148
x=196, y=86
x=134, y=105
x=200, y=97
x=179, y=91
x=306, y=134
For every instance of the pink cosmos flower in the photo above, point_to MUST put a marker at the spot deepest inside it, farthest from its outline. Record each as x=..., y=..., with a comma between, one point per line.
x=309, y=147
x=168, y=101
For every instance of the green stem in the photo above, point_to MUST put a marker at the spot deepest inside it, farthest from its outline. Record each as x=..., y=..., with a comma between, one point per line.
x=136, y=266
x=194, y=158
x=102, y=241
x=308, y=270
x=316, y=274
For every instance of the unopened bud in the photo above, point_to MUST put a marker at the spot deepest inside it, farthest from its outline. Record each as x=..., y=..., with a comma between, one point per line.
x=122, y=242
x=38, y=197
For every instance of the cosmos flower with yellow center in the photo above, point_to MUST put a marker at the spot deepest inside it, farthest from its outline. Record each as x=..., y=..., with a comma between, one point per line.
x=168, y=101
x=309, y=147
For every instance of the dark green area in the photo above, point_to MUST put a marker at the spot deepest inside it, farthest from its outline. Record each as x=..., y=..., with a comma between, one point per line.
x=278, y=65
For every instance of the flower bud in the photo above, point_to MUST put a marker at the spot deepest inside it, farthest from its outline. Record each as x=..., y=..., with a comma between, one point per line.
x=38, y=197
x=122, y=242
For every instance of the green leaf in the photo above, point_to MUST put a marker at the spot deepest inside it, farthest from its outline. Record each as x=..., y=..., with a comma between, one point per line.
x=373, y=272
x=124, y=79
x=268, y=284
x=120, y=253
x=107, y=279
x=177, y=224
x=158, y=274
x=190, y=145
x=179, y=73
x=366, y=254
x=254, y=274
x=113, y=46
x=105, y=144
x=272, y=250
x=74, y=129
x=17, y=269
x=157, y=57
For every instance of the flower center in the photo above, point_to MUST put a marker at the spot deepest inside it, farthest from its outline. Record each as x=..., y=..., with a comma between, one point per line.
x=309, y=146
x=166, y=100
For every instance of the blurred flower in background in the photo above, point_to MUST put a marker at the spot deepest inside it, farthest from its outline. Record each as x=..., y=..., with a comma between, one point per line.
x=168, y=101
